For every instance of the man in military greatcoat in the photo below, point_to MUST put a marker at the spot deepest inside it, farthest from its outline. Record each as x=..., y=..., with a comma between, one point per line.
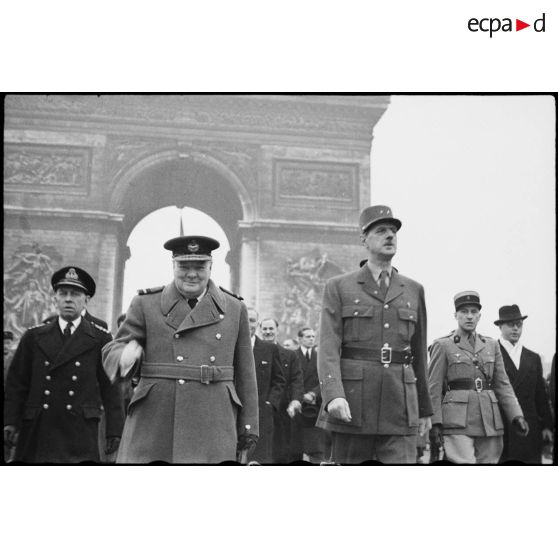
x=56, y=387
x=469, y=386
x=524, y=369
x=372, y=357
x=196, y=400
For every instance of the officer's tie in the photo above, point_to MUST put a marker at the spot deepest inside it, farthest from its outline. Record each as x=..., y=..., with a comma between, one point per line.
x=68, y=331
x=382, y=282
x=192, y=302
x=308, y=355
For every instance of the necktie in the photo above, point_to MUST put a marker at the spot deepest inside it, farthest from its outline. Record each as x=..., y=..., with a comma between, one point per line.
x=308, y=355
x=192, y=302
x=68, y=331
x=382, y=281
x=472, y=340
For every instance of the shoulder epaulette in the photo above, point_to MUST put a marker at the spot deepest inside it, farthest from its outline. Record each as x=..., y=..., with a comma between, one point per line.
x=100, y=327
x=39, y=325
x=151, y=290
x=232, y=294
x=485, y=338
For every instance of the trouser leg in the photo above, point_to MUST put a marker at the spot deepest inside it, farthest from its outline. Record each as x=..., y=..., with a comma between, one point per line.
x=396, y=449
x=459, y=448
x=488, y=449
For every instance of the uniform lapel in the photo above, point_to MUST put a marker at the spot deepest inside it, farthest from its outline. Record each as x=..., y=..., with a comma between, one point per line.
x=49, y=339
x=82, y=340
x=173, y=306
x=523, y=370
x=364, y=278
x=509, y=365
x=209, y=310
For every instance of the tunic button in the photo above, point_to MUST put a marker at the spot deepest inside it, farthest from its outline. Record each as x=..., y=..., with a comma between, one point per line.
x=221, y=316
x=386, y=326
x=386, y=365
x=386, y=306
x=74, y=378
x=211, y=359
x=47, y=378
x=71, y=393
x=45, y=406
x=180, y=358
x=47, y=362
x=47, y=392
x=78, y=363
x=218, y=336
x=69, y=407
x=386, y=344
x=375, y=292
x=357, y=300
x=176, y=336
x=180, y=381
x=355, y=313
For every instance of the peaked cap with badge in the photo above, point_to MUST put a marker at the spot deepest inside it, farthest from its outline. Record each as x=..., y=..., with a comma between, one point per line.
x=73, y=276
x=191, y=248
x=377, y=214
x=465, y=298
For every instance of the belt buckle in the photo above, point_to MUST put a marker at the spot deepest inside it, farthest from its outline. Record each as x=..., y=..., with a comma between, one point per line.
x=385, y=355
x=204, y=374
x=478, y=384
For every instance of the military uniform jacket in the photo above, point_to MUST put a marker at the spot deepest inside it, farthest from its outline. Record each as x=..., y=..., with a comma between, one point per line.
x=385, y=399
x=55, y=394
x=470, y=412
x=197, y=389
x=530, y=390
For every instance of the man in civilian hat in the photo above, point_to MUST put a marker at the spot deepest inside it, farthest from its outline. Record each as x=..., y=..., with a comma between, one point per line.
x=56, y=387
x=469, y=386
x=372, y=358
x=524, y=369
x=197, y=400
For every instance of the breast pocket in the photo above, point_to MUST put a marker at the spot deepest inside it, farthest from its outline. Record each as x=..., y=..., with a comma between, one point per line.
x=357, y=322
x=407, y=322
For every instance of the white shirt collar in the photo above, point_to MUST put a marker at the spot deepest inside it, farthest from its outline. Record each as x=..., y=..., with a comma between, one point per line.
x=376, y=270
x=62, y=323
x=513, y=350
x=253, y=340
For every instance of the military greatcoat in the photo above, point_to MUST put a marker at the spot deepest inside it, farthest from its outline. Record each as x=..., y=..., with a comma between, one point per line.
x=384, y=399
x=467, y=411
x=197, y=389
x=55, y=394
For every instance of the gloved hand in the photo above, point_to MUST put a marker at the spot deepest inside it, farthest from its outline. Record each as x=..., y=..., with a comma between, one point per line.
x=247, y=442
x=130, y=355
x=11, y=434
x=521, y=427
x=112, y=443
x=547, y=436
x=436, y=441
x=339, y=408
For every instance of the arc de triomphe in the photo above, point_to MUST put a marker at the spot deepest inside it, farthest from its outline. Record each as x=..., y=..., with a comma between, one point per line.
x=285, y=176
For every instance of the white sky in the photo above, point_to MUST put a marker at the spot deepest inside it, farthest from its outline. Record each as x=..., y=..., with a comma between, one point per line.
x=472, y=179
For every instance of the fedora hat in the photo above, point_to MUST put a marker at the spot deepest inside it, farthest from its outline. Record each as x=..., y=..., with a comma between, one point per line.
x=509, y=314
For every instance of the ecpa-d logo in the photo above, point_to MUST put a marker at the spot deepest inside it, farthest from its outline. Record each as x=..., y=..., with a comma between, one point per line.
x=493, y=25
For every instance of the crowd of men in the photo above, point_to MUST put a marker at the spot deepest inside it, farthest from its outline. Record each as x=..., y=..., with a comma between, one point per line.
x=194, y=376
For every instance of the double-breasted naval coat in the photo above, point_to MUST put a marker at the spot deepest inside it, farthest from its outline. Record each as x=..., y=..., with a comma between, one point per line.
x=470, y=412
x=384, y=399
x=197, y=389
x=56, y=392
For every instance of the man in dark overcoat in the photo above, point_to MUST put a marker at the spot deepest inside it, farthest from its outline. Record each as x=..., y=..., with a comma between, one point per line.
x=196, y=400
x=524, y=369
x=291, y=401
x=469, y=385
x=372, y=356
x=271, y=386
x=56, y=388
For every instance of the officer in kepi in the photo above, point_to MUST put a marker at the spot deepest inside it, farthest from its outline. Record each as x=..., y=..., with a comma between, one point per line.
x=56, y=388
x=197, y=399
x=469, y=385
x=372, y=357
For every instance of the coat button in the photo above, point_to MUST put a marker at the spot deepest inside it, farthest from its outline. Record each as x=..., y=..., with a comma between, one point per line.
x=78, y=363
x=47, y=362
x=357, y=300
x=375, y=292
x=47, y=392
x=176, y=336
x=181, y=381
x=386, y=306
x=386, y=326
x=386, y=344
x=69, y=407
x=355, y=313
x=221, y=316
x=74, y=378
x=211, y=359
x=180, y=358
x=45, y=406
x=386, y=365
x=71, y=393
x=47, y=378
x=218, y=336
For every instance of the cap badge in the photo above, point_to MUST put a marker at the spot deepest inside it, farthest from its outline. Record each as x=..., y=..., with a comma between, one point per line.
x=193, y=246
x=71, y=274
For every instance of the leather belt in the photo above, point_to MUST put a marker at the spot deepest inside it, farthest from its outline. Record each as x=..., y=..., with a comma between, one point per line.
x=204, y=374
x=477, y=384
x=385, y=355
